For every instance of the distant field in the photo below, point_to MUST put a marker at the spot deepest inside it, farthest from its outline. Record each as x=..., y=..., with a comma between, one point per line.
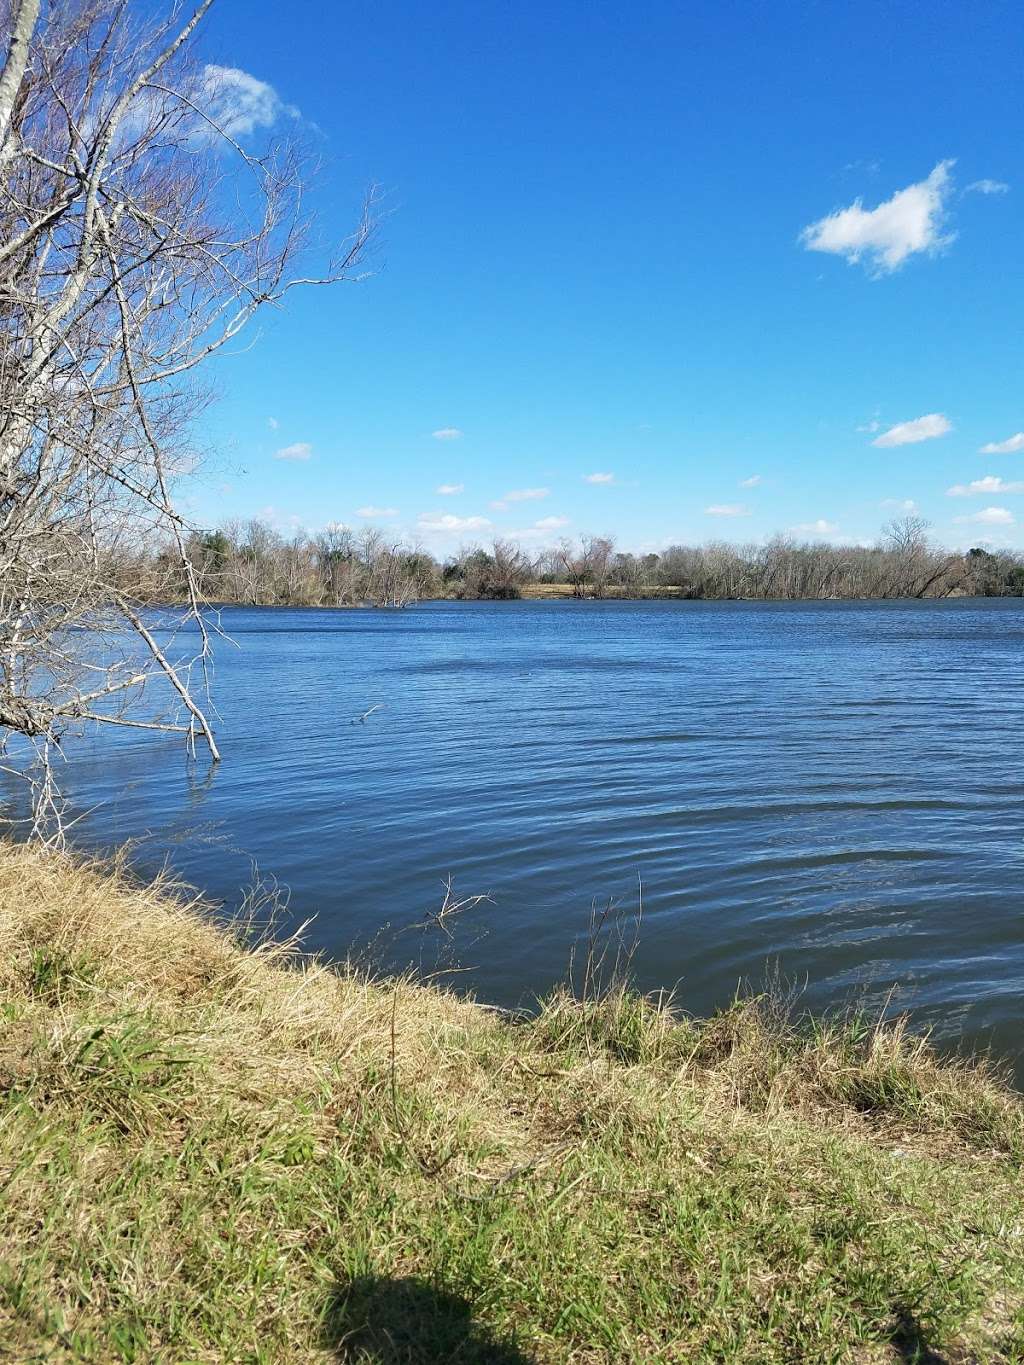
x=536, y=590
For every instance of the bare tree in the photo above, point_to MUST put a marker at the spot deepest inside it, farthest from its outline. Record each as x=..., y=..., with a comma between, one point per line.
x=138, y=237
x=497, y=576
x=335, y=553
x=598, y=551
x=255, y=562
x=915, y=567
x=575, y=561
x=512, y=568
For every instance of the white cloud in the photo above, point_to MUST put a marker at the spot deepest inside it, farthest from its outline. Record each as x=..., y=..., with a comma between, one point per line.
x=447, y=522
x=598, y=478
x=900, y=504
x=273, y=423
x=540, y=530
x=527, y=495
x=726, y=509
x=909, y=222
x=991, y=516
x=991, y=483
x=924, y=428
x=448, y=490
x=871, y=426
x=239, y=103
x=1008, y=447
x=752, y=482
x=301, y=450
x=520, y=495
x=447, y=434
x=223, y=100
x=377, y=512
x=987, y=187
x=821, y=527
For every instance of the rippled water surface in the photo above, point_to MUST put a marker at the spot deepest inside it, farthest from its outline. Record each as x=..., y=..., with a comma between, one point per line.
x=836, y=786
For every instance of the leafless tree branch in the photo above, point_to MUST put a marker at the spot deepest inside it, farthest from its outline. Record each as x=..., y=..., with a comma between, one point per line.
x=138, y=238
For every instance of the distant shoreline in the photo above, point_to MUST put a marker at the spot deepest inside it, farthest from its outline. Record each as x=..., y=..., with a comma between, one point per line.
x=563, y=592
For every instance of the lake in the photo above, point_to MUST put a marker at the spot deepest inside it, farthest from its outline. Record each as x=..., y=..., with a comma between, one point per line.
x=833, y=787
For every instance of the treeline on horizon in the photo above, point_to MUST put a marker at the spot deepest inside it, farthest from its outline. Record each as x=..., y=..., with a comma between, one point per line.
x=250, y=563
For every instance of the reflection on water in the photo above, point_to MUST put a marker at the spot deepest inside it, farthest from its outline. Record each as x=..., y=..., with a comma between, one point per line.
x=833, y=785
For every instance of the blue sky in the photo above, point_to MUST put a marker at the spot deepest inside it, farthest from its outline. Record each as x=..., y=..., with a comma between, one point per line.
x=686, y=246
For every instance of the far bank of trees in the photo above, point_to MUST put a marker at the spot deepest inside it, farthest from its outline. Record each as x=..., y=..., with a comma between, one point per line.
x=251, y=563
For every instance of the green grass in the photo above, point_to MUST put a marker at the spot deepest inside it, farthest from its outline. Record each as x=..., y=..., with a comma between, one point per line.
x=210, y=1152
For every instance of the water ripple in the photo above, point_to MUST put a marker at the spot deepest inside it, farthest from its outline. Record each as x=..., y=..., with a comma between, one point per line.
x=833, y=785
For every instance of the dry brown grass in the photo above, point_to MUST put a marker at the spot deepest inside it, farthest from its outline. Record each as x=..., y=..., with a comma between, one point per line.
x=556, y=591
x=216, y=1149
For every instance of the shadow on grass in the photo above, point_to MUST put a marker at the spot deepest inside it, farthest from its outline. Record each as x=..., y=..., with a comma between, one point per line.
x=410, y=1322
x=911, y=1344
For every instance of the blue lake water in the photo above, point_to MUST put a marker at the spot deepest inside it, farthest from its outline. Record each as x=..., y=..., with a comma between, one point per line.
x=835, y=787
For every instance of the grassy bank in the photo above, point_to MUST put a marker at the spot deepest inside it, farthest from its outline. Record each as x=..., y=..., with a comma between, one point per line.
x=217, y=1152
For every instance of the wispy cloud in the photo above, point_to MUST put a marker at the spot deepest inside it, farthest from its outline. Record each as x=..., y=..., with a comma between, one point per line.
x=447, y=434
x=900, y=504
x=991, y=516
x=987, y=187
x=283, y=521
x=520, y=495
x=821, y=527
x=991, y=483
x=885, y=236
x=873, y=425
x=273, y=423
x=301, y=450
x=752, y=482
x=447, y=522
x=598, y=478
x=540, y=530
x=377, y=512
x=1008, y=447
x=239, y=103
x=726, y=509
x=224, y=102
x=448, y=490
x=527, y=495
x=924, y=428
